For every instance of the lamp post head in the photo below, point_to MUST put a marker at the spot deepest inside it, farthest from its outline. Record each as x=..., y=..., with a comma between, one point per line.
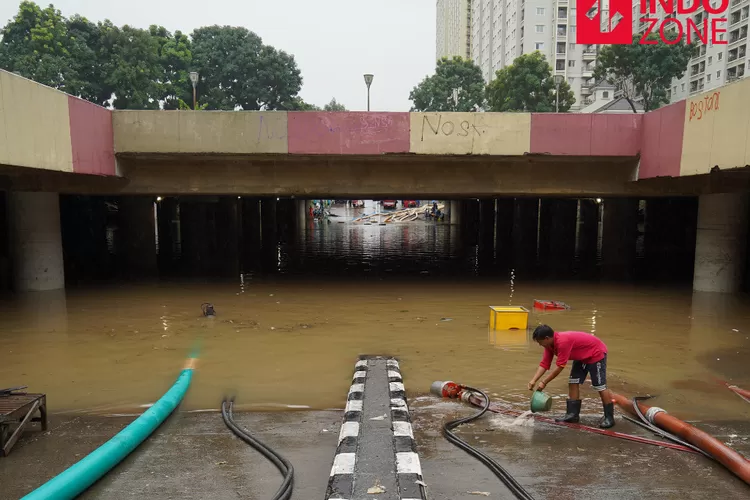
x=558, y=79
x=194, y=78
x=368, y=79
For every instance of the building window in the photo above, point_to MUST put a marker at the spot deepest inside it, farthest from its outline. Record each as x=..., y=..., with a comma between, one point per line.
x=560, y=64
x=605, y=95
x=540, y=11
x=708, y=77
x=710, y=60
x=683, y=87
x=571, y=64
x=720, y=56
x=539, y=45
x=571, y=46
x=718, y=74
x=674, y=89
x=540, y=28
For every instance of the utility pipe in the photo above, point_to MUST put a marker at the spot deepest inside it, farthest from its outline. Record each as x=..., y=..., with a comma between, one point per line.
x=81, y=475
x=726, y=456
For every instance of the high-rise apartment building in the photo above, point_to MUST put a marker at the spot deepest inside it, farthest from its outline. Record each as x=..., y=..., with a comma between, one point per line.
x=453, y=33
x=715, y=64
x=502, y=30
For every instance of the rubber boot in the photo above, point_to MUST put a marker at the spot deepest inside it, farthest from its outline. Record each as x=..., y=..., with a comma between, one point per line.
x=609, y=416
x=572, y=412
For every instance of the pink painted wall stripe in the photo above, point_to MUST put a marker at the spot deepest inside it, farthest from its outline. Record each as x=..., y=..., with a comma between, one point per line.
x=348, y=133
x=91, y=138
x=585, y=134
x=661, y=141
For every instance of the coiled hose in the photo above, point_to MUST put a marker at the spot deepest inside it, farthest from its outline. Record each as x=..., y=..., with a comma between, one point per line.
x=287, y=486
x=661, y=432
x=495, y=467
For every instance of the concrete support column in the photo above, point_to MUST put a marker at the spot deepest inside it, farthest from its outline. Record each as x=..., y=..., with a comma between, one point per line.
x=504, y=228
x=137, y=227
x=558, y=234
x=721, y=242
x=228, y=234
x=166, y=217
x=588, y=231
x=455, y=212
x=36, y=241
x=301, y=211
x=619, y=233
x=525, y=232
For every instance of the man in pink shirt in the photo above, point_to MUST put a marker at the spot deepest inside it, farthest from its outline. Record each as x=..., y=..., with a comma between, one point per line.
x=589, y=356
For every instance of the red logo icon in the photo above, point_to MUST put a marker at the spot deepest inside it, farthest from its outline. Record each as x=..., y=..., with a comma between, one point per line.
x=597, y=25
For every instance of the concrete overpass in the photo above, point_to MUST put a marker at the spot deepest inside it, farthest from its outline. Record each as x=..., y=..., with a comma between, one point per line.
x=53, y=143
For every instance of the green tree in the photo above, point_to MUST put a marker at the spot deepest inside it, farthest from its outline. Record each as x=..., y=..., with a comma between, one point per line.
x=644, y=71
x=334, y=106
x=239, y=72
x=38, y=44
x=436, y=92
x=296, y=103
x=528, y=85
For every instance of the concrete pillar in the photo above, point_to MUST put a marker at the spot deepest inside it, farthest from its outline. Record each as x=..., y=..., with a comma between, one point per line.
x=36, y=241
x=558, y=234
x=588, y=231
x=619, y=233
x=138, y=235
x=167, y=223
x=721, y=242
x=301, y=210
x=525, y=232
x=455, y=212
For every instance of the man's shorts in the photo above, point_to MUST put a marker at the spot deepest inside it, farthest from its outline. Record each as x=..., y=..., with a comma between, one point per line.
x=598, y=372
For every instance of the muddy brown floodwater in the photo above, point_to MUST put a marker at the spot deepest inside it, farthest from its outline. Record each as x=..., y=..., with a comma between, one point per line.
x=289, y=344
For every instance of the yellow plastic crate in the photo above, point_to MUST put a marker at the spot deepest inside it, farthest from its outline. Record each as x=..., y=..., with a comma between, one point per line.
x=509, y=318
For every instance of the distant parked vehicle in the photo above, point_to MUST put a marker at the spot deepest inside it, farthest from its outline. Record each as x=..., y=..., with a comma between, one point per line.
x=389, y=203
x=358, y=203
x=410, y=203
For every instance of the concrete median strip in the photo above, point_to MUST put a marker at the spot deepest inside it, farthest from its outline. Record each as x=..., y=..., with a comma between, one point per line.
x=377, y=453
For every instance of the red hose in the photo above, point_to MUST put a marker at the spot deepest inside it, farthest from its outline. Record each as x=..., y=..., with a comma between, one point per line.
x=740, y=392
x=726, y=456
x=629, y=437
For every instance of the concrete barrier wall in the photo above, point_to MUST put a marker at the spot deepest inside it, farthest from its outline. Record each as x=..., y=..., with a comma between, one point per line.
x=470, y=133
x=34, y=125
x=43, y=128
x=228, y=132
x=717, y=129
x=586, y=135
x=661, y=142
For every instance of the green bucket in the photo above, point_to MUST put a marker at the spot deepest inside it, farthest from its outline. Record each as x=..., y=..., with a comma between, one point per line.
x=540, y=402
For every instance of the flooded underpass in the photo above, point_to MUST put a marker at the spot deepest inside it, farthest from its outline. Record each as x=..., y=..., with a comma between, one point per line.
x=298, y=312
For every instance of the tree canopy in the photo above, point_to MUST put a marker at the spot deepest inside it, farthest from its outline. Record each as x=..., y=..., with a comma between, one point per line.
x=436, y=92
x=528, y=85
x=334, y=106
x=133, y=68
x=644, y=70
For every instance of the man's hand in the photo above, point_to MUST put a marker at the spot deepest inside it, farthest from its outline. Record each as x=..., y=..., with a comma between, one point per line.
x=531, y=385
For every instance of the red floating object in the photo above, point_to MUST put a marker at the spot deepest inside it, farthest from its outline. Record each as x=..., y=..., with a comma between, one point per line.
x=550, y=305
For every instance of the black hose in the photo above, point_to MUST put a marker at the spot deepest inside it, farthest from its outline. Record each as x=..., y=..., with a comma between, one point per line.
x=287, y=486
x=495, y=467
x=661, y=432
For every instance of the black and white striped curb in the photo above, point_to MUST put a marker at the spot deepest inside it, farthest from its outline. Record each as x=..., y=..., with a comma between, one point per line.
x=408, y=467
x=341, y=481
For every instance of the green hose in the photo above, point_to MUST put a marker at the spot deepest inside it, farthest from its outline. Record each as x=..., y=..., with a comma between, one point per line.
x=76, y=479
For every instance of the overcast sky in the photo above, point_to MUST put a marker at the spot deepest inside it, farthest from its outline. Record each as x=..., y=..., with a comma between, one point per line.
x=333, y=41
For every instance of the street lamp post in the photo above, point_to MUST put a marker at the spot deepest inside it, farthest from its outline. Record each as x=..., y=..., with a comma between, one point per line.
x=194, y=81
x=558, y=82
x=368, y=82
